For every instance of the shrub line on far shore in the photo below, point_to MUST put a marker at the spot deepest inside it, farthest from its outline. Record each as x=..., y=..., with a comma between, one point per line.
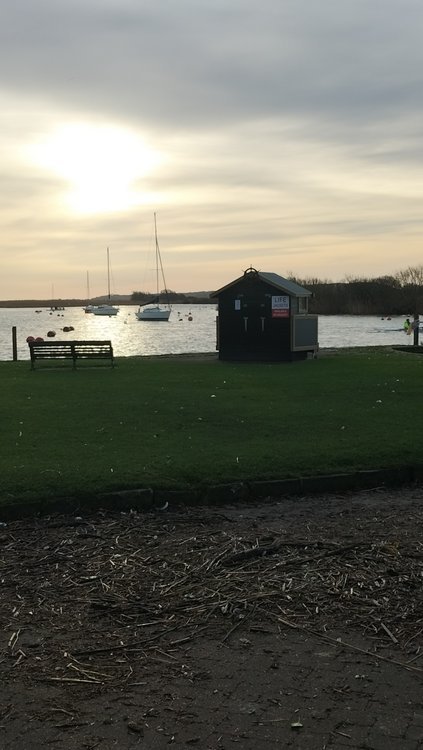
x=149, y=499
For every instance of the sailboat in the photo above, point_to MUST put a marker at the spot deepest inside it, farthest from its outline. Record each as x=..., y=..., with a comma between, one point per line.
x=53, y=307
x=106, y=309
x=155, y=311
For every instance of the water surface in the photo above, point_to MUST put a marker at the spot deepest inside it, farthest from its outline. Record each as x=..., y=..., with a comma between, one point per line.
x=189, y=330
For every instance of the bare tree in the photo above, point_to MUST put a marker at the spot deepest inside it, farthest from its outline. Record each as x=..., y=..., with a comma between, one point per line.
x=411, y=275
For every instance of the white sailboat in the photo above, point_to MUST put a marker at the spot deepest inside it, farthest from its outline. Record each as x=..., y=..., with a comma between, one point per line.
x=108, y=308
x=155, y=311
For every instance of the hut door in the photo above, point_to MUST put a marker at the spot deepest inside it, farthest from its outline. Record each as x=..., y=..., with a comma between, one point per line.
x=254, y=323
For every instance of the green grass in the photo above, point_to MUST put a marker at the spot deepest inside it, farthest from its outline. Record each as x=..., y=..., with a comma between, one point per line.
x=179, y=423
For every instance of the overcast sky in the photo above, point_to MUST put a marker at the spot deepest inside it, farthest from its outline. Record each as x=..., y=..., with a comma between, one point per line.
x=282, y=134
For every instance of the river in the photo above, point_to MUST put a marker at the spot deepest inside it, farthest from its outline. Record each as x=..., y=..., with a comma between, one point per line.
x=189, y=330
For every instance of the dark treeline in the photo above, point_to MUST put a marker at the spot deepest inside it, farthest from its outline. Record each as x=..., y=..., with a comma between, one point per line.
x=172, y=297
x=116, y=299
x=400, y=294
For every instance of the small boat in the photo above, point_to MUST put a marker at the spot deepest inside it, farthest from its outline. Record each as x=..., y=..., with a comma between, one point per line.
x=104, y=310
x=155, y=311
x=107, y=308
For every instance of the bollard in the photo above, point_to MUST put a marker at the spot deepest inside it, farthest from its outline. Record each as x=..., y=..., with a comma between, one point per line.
x=14, y=344
x=415, y=324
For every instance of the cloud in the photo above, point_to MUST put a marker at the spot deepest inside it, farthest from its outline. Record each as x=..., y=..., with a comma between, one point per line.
x=288, y=131
x=204, y=63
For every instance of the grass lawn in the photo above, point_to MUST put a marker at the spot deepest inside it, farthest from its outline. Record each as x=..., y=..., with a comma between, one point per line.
x=176, y=423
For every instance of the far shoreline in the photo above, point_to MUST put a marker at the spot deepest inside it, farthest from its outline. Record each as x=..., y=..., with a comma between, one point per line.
x=60, y=303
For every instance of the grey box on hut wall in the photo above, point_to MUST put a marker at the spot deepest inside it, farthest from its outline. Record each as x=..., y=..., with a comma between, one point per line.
x=263, y=317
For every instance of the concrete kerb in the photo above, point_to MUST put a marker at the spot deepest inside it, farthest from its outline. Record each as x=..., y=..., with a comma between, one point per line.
x=148, y=499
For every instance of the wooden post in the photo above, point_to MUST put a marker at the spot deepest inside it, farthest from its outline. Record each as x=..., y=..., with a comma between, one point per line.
x=416, y=324
x=14, y=344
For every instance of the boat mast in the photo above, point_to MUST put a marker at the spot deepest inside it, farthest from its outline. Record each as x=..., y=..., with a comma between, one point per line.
x=159, y=265
x=108, y=274
x=157, y=255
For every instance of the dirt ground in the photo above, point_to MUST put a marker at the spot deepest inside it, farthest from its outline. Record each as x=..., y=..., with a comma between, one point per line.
x=296, y=623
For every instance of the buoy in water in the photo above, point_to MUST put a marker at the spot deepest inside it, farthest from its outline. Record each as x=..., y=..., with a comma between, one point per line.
x=29, y=338
x=51, y=334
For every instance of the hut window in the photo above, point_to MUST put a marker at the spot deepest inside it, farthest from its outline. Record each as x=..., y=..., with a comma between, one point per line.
x=303, y=304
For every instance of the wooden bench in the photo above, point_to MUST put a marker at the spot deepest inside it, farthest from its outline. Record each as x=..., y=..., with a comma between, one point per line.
x=72, y=350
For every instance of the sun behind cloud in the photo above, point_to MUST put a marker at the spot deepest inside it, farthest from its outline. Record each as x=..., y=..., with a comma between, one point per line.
x=100, y=164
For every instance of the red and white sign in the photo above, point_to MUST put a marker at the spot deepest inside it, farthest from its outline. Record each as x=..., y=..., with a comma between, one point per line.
x=280, y=307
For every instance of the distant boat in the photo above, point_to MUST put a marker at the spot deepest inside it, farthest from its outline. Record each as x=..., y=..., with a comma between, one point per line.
x=106, y=309
x=155, y=311
x=54, y=307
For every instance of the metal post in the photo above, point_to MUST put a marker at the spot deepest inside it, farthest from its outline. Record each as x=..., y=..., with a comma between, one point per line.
x=416, y=324
x=14, y=344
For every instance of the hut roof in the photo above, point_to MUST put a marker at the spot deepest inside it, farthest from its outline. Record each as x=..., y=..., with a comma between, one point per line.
x=281, y=284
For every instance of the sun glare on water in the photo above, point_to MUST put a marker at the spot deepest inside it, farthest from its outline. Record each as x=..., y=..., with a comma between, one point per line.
x=101, y=165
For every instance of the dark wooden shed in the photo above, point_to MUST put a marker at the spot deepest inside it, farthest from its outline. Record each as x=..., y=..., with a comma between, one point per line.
x=263, y=317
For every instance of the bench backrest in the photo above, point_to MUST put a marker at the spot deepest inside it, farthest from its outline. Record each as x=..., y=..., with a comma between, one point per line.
x=93, y=348
x=70, y=350
x=51, y=348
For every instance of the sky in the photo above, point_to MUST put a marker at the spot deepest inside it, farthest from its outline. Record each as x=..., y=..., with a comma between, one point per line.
x=286, y=135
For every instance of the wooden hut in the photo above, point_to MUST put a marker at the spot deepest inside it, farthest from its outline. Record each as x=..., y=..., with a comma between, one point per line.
x=263, y=317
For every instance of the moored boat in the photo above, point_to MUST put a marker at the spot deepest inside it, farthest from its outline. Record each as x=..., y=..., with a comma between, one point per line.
x=155, y=310
x=106, y=308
